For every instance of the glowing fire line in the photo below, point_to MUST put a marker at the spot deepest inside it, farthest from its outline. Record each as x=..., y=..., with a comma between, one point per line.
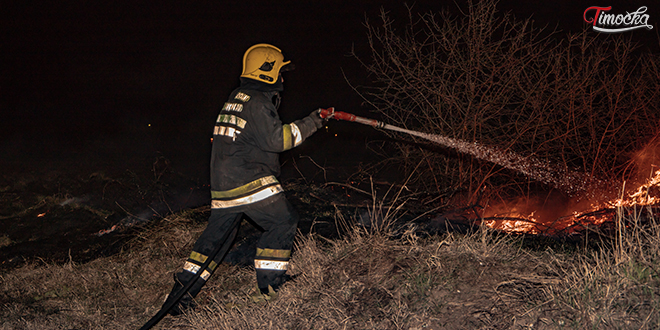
x=597, y=214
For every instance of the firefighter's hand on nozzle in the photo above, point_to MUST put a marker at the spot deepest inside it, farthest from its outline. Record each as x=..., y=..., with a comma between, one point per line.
x=316, y=118
x=327, y=113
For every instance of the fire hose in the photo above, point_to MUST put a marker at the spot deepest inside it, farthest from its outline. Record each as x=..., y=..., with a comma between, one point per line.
x=166, y=308
x=339, y=115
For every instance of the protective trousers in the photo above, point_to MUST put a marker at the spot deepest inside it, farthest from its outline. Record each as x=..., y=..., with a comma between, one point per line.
x=278, y=220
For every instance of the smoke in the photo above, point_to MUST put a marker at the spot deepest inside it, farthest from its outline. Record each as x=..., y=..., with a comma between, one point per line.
x=646, y=161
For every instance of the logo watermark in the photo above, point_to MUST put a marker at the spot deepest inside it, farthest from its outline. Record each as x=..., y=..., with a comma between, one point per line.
x=615, y=23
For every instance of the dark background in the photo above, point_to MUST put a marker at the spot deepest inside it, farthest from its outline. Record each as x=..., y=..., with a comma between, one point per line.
x=115, y=80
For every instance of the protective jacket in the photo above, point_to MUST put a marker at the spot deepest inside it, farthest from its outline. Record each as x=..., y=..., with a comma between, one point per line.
x=247, y=139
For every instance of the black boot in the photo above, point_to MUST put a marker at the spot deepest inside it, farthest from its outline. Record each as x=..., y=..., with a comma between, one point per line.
x=272, y=279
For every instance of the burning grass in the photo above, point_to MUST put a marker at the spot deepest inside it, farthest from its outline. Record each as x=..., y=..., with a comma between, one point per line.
x=366, y=279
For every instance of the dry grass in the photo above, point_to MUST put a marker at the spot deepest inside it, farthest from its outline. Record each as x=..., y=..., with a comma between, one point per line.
x=616, y=286
x=106, y=293
x=365, y=280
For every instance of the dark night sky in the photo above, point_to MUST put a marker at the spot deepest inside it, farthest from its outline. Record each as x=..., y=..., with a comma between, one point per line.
x=84, y=71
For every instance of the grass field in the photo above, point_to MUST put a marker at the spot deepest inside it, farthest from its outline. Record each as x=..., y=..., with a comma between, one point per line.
x=369, y=278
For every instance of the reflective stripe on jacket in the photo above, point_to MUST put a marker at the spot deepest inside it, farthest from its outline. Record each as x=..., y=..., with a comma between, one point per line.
x=252, y=192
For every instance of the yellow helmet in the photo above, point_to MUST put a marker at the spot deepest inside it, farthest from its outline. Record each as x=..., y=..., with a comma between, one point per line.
x=263, y=62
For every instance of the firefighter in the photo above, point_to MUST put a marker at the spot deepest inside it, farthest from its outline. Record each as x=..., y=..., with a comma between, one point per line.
x=247, y=139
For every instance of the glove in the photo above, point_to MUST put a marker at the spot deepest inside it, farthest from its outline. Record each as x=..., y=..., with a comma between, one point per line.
x=327, y=113
x=316, y=118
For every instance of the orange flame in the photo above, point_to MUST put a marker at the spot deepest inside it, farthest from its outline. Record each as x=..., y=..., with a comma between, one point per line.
x=526, y=215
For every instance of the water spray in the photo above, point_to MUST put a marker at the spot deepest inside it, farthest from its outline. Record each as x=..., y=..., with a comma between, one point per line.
x=560, y=178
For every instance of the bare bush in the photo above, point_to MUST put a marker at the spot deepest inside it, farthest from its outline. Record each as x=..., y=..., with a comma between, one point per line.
x=582, y=101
